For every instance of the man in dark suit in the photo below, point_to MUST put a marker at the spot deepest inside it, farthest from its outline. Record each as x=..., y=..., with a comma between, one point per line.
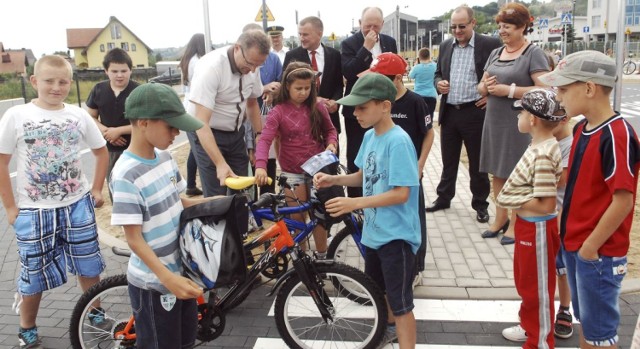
x=327, y=61
x=358, y=51
x=460, y=67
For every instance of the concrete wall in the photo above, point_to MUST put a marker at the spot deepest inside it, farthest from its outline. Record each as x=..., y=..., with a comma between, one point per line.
x=8, y=103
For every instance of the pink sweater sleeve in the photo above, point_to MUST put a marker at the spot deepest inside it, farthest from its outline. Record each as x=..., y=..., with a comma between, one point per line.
x=269, y=132
x=330, y=132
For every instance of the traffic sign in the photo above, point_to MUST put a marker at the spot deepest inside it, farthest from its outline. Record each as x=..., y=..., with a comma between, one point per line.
x=270, y=17
x=566, y=18
x=543, y=22
x=332, y=37
x=585, y=29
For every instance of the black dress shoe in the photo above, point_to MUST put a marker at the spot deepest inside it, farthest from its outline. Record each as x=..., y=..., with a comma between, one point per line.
x=482, y=215
x=437, y=206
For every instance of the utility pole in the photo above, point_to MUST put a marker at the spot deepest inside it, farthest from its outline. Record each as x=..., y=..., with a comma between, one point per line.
x=264, y=15
x=207, y=27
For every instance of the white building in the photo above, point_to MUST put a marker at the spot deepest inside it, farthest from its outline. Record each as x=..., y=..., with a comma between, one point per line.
x=602, y=18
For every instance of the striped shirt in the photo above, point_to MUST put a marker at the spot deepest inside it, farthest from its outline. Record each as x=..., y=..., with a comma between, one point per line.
x=147, y=193
x=463, y=78
x=536, y=175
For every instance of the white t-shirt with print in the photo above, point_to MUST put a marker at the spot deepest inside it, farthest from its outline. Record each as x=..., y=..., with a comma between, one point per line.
x=47, y=145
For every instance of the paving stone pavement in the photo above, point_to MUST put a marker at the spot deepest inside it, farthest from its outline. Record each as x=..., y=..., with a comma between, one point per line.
x=460, y=265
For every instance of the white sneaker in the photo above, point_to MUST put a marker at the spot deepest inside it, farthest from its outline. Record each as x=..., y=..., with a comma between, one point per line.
x=515, y=334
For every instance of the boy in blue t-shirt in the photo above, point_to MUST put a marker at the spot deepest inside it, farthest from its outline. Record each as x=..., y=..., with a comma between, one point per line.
x=388, y=173
x=146, y=188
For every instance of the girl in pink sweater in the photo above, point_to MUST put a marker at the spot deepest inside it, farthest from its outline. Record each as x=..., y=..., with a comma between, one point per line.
x=305, y=129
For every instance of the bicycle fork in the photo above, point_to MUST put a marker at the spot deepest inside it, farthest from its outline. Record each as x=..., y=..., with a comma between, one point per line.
x=313, y=282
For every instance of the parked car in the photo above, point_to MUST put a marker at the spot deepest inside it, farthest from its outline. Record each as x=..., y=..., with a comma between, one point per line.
x=169, y=77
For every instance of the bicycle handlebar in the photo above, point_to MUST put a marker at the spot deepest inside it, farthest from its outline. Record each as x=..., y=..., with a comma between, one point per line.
x=242, y=182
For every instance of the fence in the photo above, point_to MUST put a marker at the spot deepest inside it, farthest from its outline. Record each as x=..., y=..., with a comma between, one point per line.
x=19, y=87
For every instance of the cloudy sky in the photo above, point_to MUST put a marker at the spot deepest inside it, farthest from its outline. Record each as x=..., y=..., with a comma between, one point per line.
x=41, y=24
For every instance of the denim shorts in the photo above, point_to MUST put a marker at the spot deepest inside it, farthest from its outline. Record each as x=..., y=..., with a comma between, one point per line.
x=53, y=240
x=392, y=267
x=595, y=288
x=298, y=178
x=163, y=321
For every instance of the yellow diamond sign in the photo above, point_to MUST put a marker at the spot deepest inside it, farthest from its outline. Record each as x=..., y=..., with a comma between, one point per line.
x=270, y=17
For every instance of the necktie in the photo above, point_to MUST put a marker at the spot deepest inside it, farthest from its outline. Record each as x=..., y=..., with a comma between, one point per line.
x=314, y=66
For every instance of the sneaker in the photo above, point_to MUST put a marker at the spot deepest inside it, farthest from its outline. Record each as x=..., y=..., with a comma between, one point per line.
x=98, y=319
x=563, y=327
x=515, y=334
x=390, y=336
x=195, y=191
x=29, y=339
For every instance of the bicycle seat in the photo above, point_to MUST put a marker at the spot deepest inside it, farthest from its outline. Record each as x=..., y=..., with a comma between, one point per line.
x=242, y=182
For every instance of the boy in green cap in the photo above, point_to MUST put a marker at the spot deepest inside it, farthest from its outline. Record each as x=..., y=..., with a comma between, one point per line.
x=388, y=173
x=146, y=187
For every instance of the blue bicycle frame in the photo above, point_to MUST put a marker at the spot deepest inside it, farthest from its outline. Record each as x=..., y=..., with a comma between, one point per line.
x=305, y=228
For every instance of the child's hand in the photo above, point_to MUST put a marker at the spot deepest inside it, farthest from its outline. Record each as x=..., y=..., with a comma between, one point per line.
x=332, y=148
x=97, y=198
x=322, y=180
x=261, y=176
x=339, y=206
x=182, y=287
x=12, y=214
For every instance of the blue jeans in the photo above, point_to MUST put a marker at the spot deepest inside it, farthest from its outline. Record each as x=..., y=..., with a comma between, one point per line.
x=595, y=288
x=162, y=321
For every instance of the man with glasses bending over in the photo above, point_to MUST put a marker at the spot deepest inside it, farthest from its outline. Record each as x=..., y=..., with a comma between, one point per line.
x=225, y=84
x=461, y=62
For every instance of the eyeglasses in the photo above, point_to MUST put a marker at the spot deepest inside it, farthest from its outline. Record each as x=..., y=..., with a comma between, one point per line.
x=459, y=26
x=251, y=65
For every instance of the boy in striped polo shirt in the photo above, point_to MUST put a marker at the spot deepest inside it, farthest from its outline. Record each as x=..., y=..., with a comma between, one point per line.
x=531, y=191
x=146, y=188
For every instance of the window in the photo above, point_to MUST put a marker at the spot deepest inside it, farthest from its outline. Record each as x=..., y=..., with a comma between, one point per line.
x=596, y=21
x=110, y=46
x=597, y=4
x=101, y=47
x=115, y=31
x=124, y=46
x=133, y=47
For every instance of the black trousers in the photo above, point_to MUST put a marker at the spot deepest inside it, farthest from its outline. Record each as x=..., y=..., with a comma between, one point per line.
x=458, y=127
x=355, y=135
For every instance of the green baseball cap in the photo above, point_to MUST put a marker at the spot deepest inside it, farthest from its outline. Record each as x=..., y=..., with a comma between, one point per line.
x=159, y=101
x=370, y=86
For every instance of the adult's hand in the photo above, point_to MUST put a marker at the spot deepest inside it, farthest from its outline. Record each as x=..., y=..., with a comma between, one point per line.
x=482, y=102
x=443, y=87
x=370, y=40
x=224, y=171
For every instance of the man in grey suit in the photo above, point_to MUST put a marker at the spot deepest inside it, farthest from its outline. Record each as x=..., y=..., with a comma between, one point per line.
x=461, y=61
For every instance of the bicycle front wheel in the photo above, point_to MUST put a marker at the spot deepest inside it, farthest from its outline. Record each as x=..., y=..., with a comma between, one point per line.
x=353, y=325
x=112, y=295
x=628, y=68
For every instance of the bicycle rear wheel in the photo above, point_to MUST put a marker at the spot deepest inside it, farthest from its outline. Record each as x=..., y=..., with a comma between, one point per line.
x=113, y=295
x=353, y=325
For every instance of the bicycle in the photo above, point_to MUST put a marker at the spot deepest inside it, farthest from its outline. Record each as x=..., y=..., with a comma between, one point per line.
x=310, y=310
x=345, y=247
x=629, y=66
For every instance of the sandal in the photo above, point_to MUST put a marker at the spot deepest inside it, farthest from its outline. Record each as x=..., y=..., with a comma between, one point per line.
x=564, y=325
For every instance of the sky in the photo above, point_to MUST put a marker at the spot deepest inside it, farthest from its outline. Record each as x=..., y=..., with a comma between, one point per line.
x=40, y=25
